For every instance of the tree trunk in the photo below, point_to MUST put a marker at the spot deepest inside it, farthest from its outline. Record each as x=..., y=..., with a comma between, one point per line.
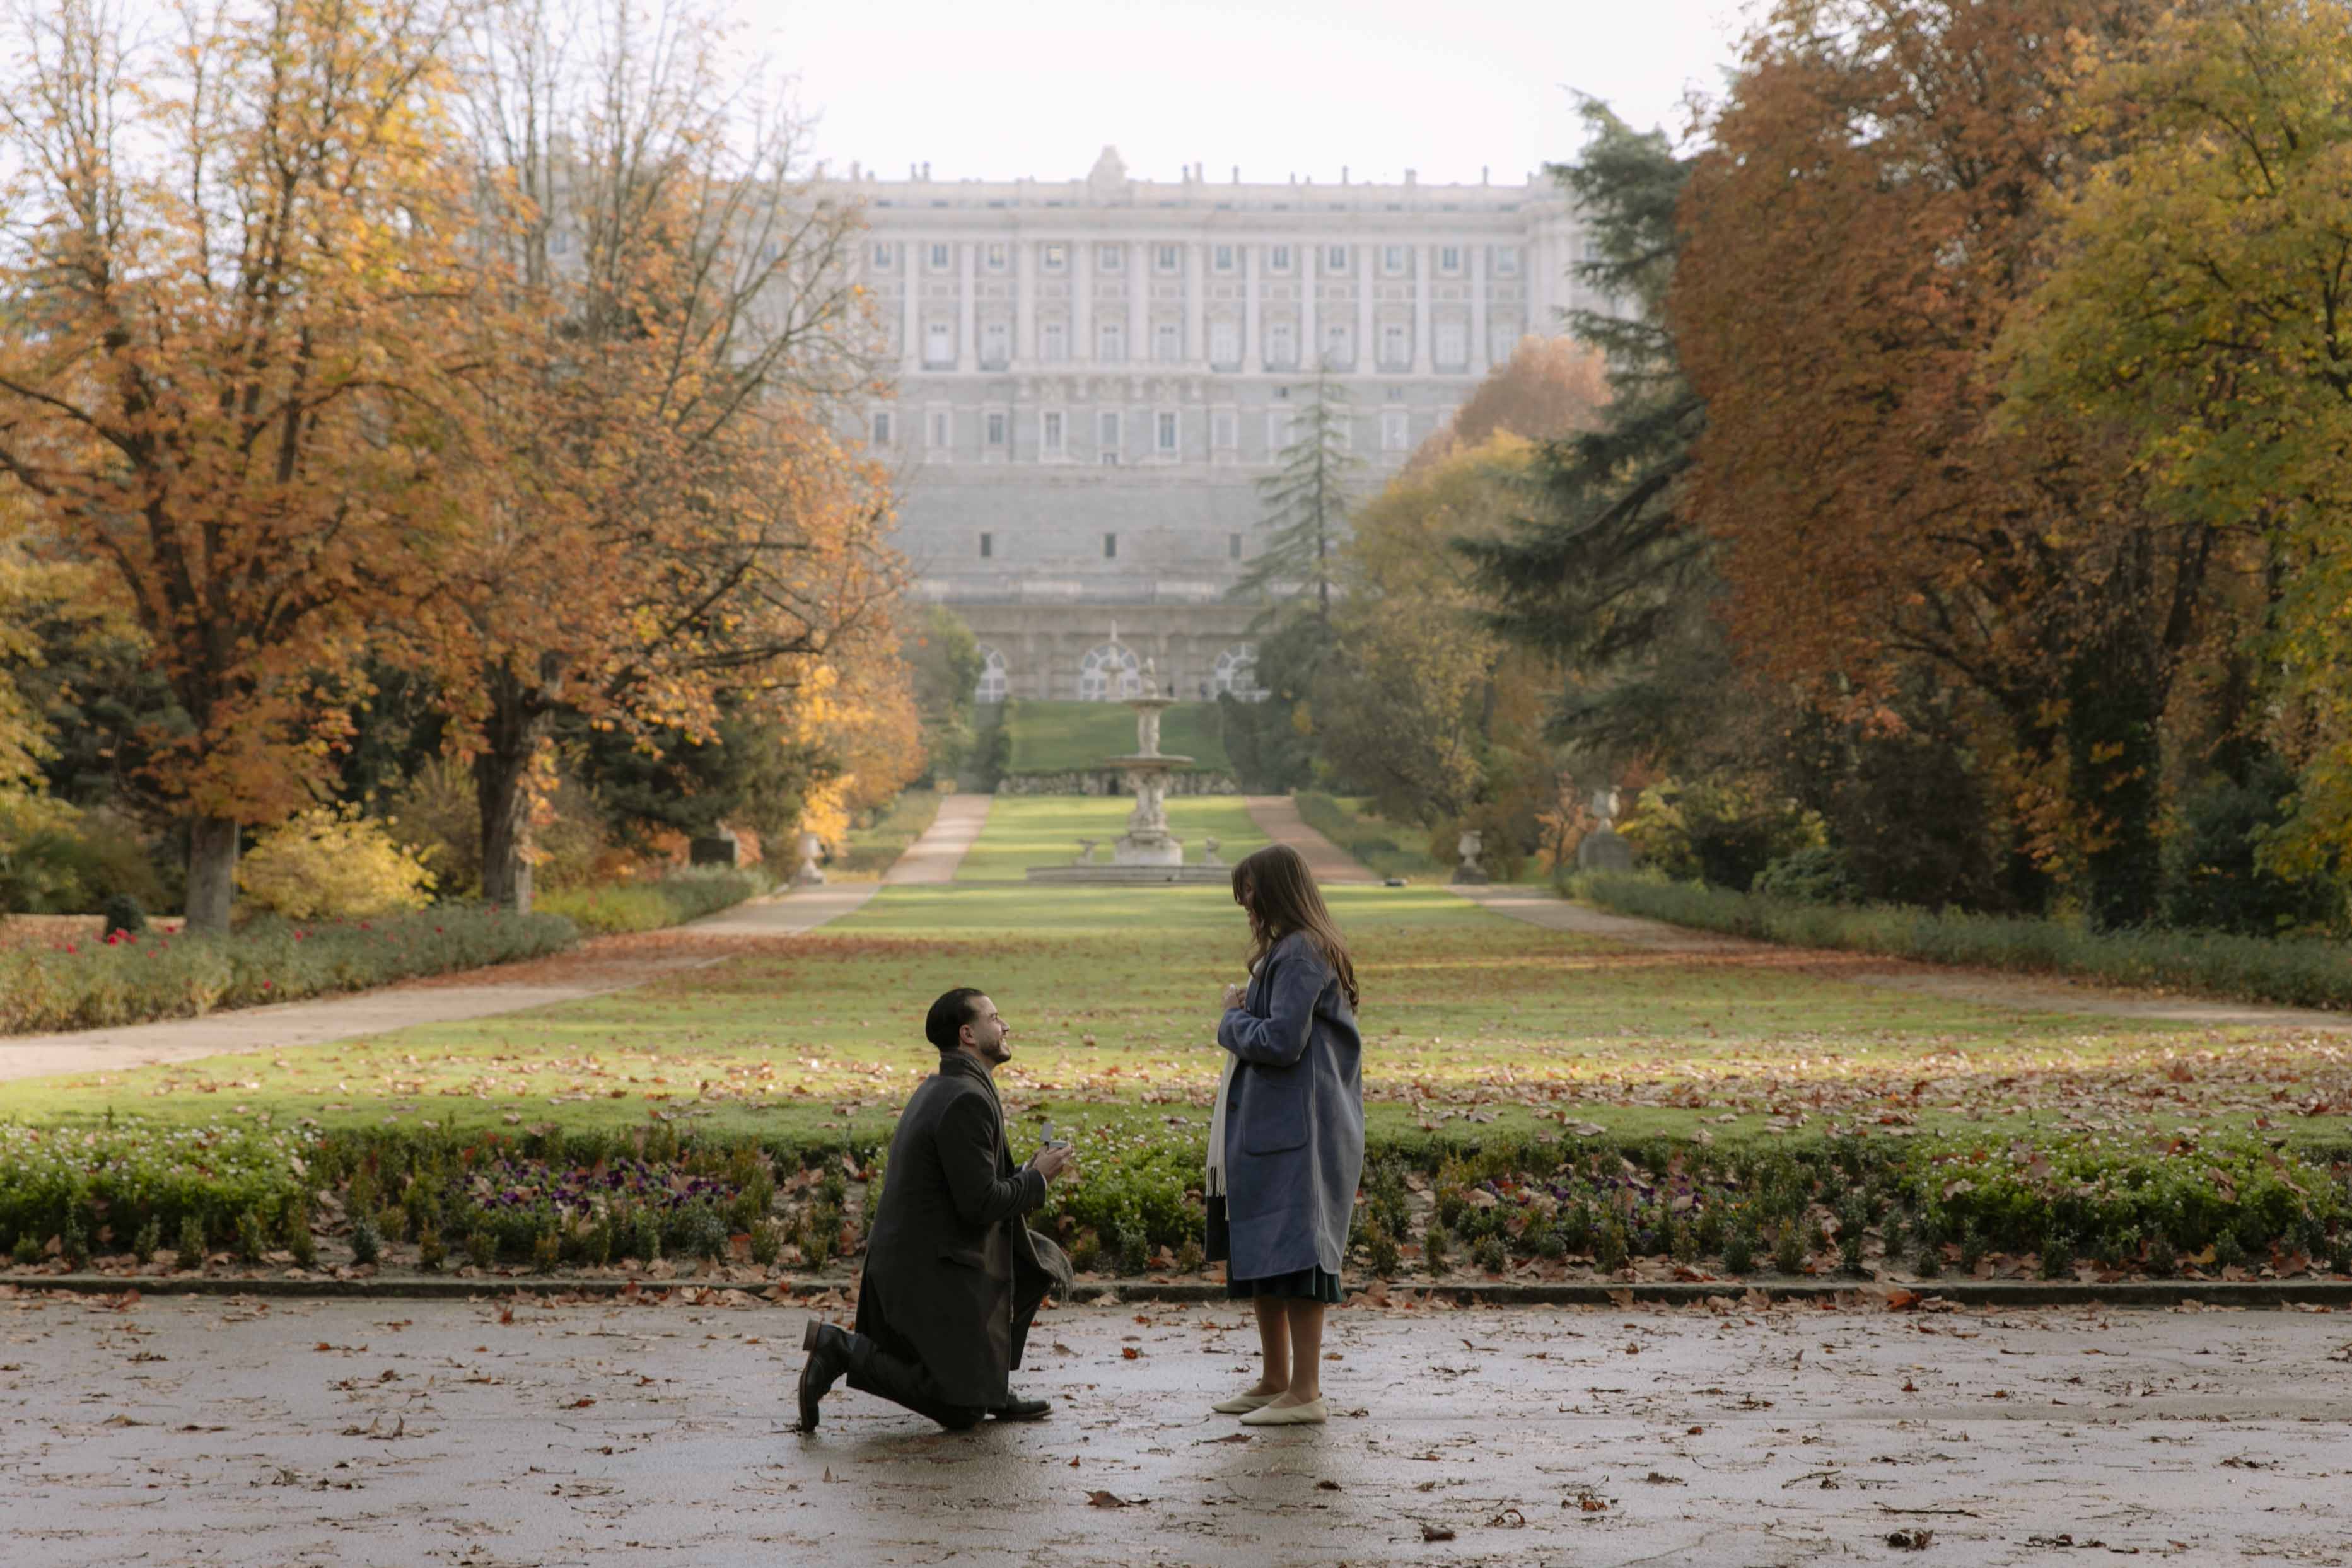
x=212, y=872
x=498, y=774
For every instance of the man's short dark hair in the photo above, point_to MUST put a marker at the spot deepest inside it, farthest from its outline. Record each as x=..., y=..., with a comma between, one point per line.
x=949, y=1015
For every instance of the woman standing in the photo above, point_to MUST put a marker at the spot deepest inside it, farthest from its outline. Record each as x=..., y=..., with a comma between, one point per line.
x=1286, y=1139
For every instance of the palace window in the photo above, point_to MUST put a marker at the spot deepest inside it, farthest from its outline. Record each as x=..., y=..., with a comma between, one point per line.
x=1225, y=258
x=938, y=344
x=942, y=429
x=938, y=258
x=1222, y=430
x=1110, y=258
x=1167, y=432
x=987, y=545
x=1392, y=429
x=1334, y=258
x=996, y=425
x=1449, y=258
x=1396, y=353
x=882, y=427
x=1055, y=256
x=1507, y=261
x=993, y=673
x=1453, y=345
x=1224, y=343
x=1049, y=433
x=1168, y=342
x=1339, y=346
x=1110, y=342
x=1233, y=547
x=1278, y=258
x=1171, y=258
x=995, y=343
x=1281, y=346
x=882, y=249
x=1110, y=546
x=1106, y=437
x=1392, y=260
x=1054, y=342
x=995, y=255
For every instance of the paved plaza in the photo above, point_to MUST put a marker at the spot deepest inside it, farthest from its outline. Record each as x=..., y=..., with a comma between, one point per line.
x=489, y=1433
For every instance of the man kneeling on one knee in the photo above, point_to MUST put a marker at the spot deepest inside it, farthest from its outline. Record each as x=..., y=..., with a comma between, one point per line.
x=953, y=1276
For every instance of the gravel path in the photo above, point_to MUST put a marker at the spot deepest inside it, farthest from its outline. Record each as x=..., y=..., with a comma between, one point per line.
x=934, y=857
x=352, y=1433
x=1277, y=817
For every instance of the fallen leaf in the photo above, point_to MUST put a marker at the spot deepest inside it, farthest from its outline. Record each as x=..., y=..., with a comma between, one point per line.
x=1436, y=1532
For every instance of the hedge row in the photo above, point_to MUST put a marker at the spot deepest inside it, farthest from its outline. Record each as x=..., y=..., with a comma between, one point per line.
x=137, y=978
x=2301, y=971
x=620, y=907
x=1812, y=1204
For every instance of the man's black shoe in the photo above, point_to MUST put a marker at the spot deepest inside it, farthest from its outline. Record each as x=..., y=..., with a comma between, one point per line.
x=830, y=1353
x=1023, y=1410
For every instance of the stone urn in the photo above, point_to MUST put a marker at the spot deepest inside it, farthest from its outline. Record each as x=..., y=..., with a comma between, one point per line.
x=1208, y=852
x=1468, y=847
x=809, y=873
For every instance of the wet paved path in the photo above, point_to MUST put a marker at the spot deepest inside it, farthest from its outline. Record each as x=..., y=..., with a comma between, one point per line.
x=404, y=1433
x=934, y=857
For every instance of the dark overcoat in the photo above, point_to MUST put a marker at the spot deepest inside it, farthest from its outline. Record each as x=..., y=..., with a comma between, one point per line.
x=1294, y=1116
x=952, y=1277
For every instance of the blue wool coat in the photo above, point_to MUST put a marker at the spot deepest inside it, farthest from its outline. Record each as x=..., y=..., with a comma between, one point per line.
x=1294, y=1115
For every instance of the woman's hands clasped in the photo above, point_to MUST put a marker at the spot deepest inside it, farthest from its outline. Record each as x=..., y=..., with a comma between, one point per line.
x=1234, y=994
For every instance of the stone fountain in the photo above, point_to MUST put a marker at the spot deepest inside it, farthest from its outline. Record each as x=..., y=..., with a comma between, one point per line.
x=1147, y=851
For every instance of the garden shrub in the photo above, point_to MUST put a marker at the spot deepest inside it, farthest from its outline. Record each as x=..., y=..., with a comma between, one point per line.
x=1814, y=876
x=2300, y=971
x=331, y=864
x=136, y=979
x=620, y=907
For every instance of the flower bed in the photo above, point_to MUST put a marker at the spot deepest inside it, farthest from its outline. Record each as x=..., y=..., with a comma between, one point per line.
x=620, y=907
x=1433, y=1206
x=160, y=974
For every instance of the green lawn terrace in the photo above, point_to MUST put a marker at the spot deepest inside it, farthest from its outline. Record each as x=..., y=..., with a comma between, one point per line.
x=1056, y=737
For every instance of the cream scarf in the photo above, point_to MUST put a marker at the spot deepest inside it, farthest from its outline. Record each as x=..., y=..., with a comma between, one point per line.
x=1214, y=1186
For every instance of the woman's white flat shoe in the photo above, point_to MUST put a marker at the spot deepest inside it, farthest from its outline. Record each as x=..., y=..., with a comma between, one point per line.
x=1243, y=1404
x=1310, y=1414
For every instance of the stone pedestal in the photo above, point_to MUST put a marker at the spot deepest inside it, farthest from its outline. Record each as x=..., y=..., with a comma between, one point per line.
x=1470, y=873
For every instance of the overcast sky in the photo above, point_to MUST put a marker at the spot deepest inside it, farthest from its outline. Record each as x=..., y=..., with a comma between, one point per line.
x=1279, y=87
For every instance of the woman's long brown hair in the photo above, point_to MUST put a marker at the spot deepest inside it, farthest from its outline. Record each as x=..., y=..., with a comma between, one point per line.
x=1279, y=893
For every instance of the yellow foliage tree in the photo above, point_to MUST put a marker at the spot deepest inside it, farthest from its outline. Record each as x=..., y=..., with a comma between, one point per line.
x=330, y=865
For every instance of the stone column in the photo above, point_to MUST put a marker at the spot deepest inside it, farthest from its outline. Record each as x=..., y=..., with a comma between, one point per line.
x=1196, y=306
x=1138, y=294
x=1082, y=299
x=1422, y=255
x=1025, y=301
x=1479, y=255
x=967, y=352
x=1362, y=257
x=1246, y=258
x=1310, y=343
x=910, y=325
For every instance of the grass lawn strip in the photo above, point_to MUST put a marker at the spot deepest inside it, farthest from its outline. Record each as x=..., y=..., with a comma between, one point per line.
x=1765, y=1084
x=1075, y=737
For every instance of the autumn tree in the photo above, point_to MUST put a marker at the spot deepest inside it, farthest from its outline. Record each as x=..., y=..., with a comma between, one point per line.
x=230, y=368
x=1424, y=705
x=1550, y=388
x=2197, y=312
x=671, y=523
x=1870, y=219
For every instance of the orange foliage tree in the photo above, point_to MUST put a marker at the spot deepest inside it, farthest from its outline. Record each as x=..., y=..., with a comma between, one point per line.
x=232, y=365
x=669, y=519
x=1867, y=223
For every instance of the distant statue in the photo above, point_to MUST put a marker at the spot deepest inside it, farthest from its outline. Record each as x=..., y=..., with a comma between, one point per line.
x=1604, y=849
x=1208, y=852
x=1151, y=679
x=1087, y=850
x=1468, y=847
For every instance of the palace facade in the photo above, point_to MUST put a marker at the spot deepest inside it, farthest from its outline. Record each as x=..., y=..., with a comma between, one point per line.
x=1093, y=374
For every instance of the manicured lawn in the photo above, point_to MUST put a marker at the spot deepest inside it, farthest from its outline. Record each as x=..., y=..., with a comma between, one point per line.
x=1772, y=1078
x=1069, y=736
